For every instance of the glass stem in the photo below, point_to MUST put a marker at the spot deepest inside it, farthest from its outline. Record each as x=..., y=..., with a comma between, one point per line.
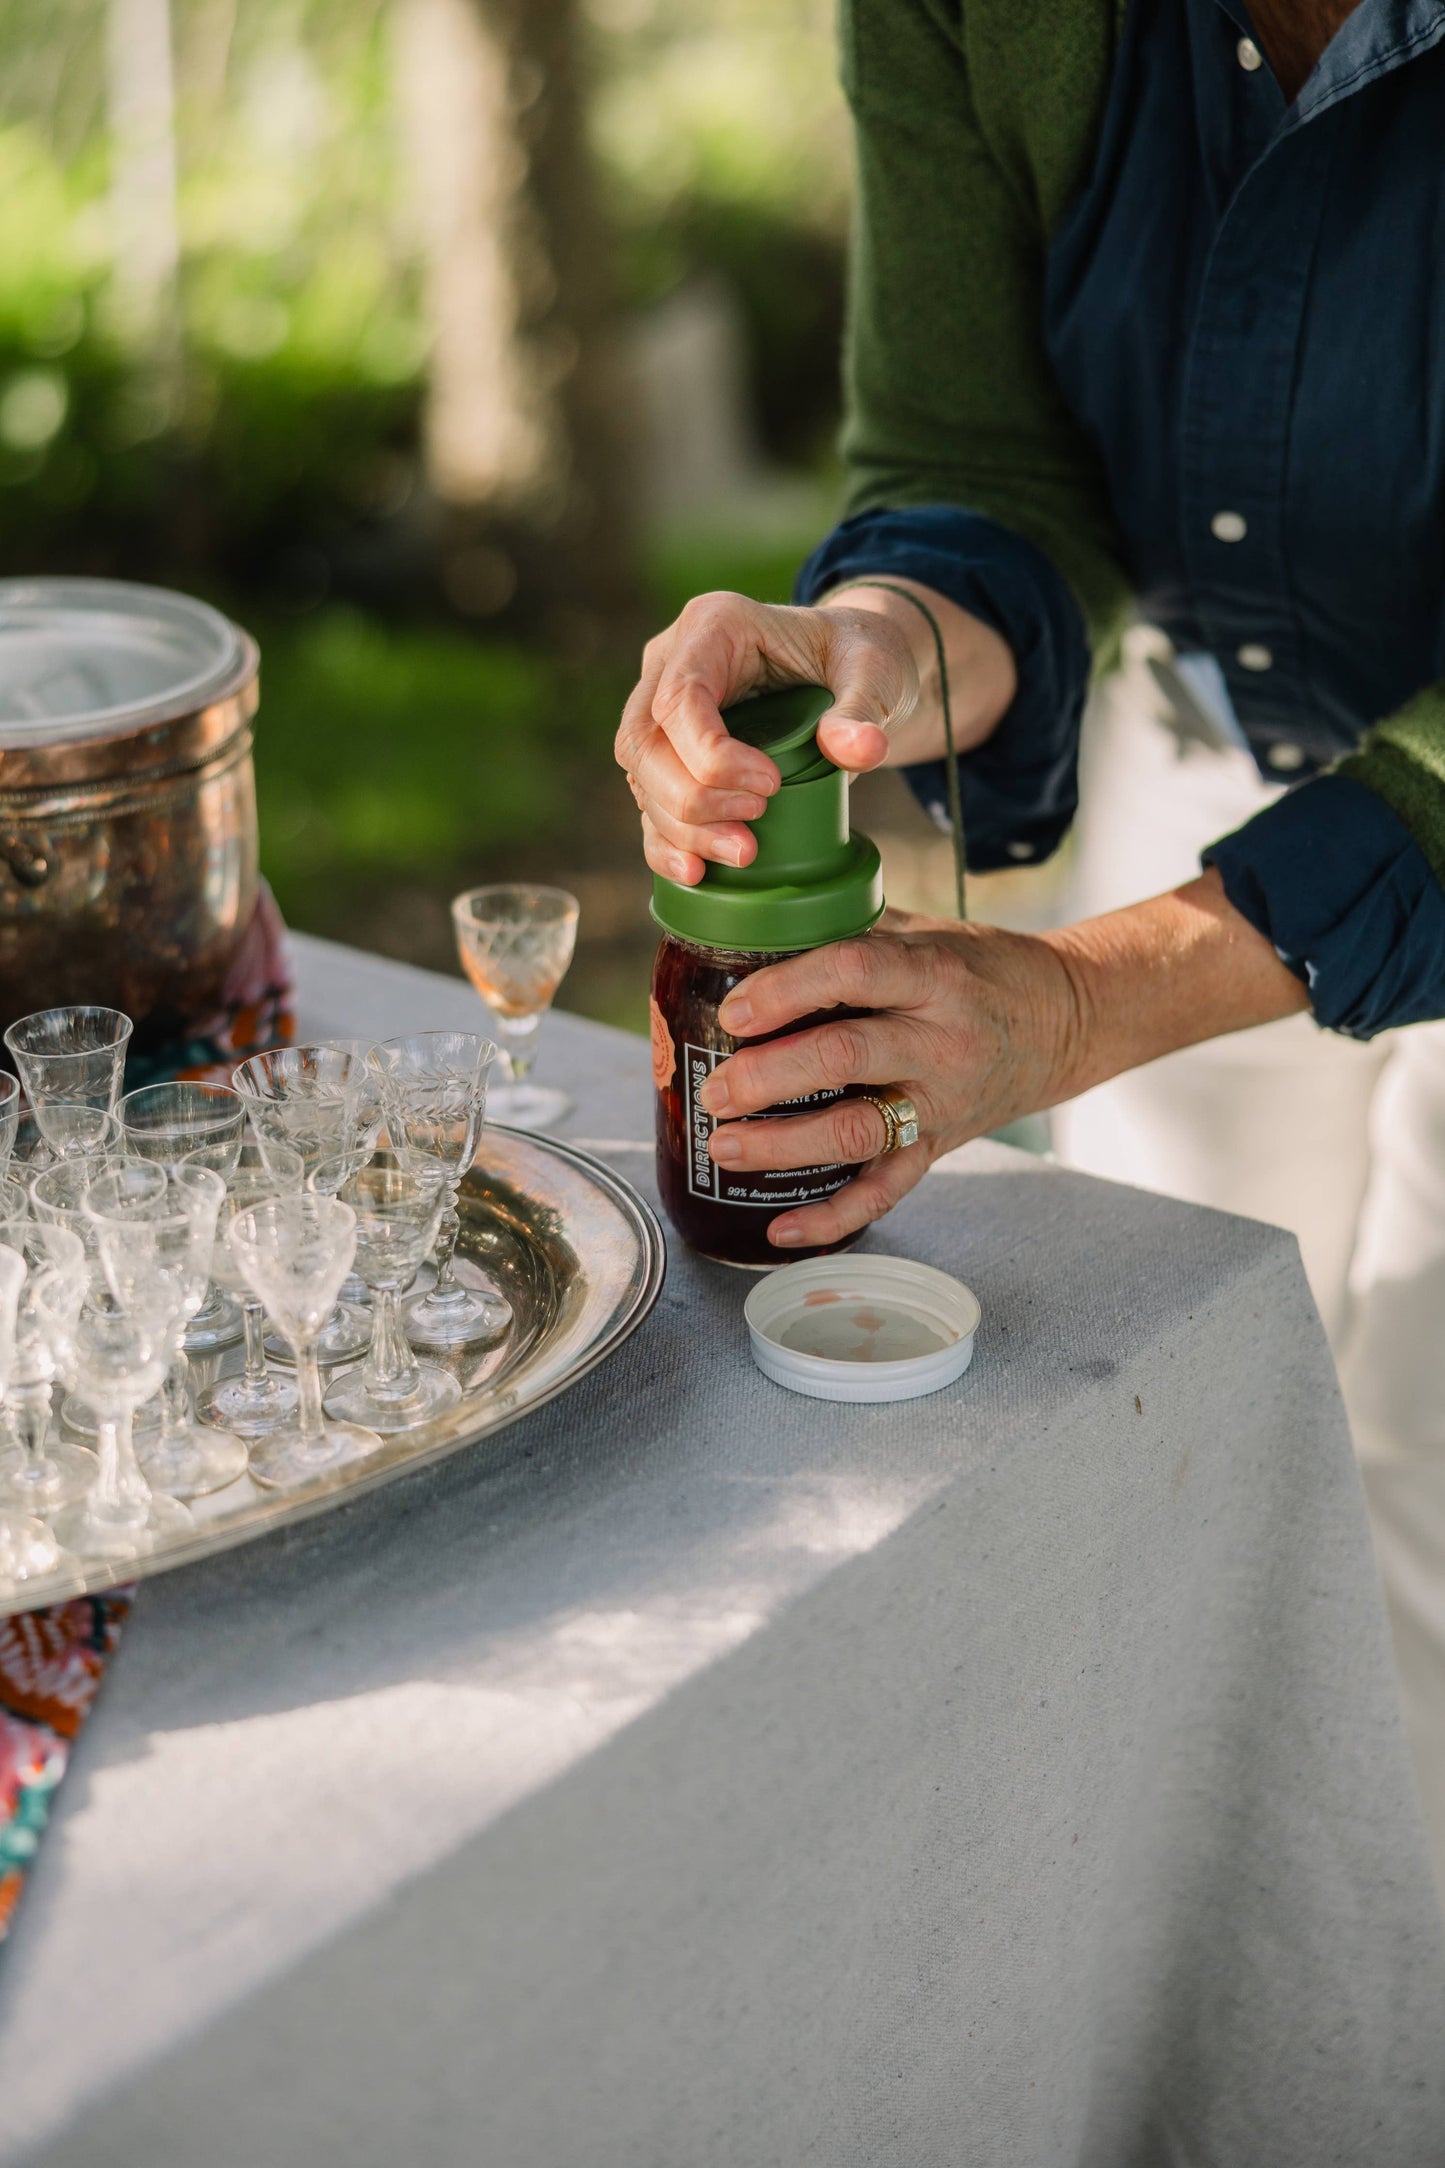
x=310, y=1424
x=520, y=1040
x=253, y=1322
x=30, y=1419
x=176, y=1408
x=120, y=1492
x=448, y=1228
x=390, y=1365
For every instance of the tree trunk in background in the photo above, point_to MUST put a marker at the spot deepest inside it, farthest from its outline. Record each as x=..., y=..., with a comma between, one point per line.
x=523, y=417
x=145, y=228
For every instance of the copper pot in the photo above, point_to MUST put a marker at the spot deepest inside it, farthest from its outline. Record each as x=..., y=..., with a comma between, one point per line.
x=128, y=844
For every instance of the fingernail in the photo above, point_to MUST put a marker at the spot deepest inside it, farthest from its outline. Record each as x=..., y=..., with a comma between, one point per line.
x=726, y=1147
x=787, y=1234
x=736, y=1013
x=737, y=852
x=745, y=809
x=714, y=1095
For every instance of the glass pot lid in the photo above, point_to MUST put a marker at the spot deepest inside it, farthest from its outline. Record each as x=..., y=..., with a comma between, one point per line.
x=86, y=659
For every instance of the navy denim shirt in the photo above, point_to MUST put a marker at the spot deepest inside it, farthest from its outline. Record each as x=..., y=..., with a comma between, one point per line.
x=1245, y=310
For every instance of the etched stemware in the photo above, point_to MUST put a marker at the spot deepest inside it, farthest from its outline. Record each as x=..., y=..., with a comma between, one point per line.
x=258, y=1400
x=398, y=1203
x=9, y=1117
x=69, y=1057
x=515, y=942
x=155, y=1230
x=294, y=1253
x=26, y=1544
x=165, y=1123
x=57, y=1199
x=44, y=1472
x=116, y=1359
x=434, y=1090
x=318, y=1100
x=73, y=1130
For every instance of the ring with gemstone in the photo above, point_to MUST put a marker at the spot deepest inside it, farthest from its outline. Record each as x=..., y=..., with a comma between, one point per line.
x=900, y=1117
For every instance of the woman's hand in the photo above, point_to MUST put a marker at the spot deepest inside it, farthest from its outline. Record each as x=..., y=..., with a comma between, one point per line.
x=977, y=1025
x=697, y=787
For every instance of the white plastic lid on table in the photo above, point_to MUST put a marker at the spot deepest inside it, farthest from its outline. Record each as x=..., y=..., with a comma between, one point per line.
x=862, y=1327
x=98, y=658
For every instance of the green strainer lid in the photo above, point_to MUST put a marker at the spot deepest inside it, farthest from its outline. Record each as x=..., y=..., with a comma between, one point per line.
x=811, y=881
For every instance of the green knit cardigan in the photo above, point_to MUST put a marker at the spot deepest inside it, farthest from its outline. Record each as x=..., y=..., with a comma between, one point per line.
x=976, y=123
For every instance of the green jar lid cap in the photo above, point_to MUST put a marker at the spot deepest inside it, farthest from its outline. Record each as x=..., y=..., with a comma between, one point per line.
x=784, y=725
x=811, y=881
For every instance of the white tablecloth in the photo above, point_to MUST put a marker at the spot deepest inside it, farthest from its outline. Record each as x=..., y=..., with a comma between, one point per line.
x=702, y=1777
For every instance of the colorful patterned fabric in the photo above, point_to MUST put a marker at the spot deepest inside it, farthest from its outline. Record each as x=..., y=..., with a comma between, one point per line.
x=51, y=1663
x=257, y=1010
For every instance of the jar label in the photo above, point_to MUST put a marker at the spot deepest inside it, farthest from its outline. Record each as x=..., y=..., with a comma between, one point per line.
x=770, y=1190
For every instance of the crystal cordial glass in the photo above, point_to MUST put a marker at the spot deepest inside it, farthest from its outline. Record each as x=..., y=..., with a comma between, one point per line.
x=155, y=1230
x=434, y=1090
x=9, y=1117
x=294, y=1252
x=73, y=1130
x=76, y=1055
x=115, y=1359
x=398, y=1204
x=57, y=1199
x=515, y=943
x=319, y=1100
x=365, y=1130
x=27, y=1547
x=44, y=1473
x=165, y=1123
x=259, y=1401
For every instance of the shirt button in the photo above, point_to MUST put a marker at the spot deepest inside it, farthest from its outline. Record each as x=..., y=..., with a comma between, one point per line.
x=1229, y=526
x=1021, y=851
x=1285, y=758
x=1249, y=56
x=1254, y=656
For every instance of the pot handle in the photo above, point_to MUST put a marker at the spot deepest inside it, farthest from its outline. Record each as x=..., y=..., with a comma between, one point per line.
x=30, y=867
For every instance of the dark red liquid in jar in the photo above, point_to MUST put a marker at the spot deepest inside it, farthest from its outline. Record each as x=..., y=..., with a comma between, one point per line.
x=723, y=1212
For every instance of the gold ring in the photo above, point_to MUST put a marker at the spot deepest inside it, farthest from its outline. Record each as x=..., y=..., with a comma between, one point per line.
x=900, y=1117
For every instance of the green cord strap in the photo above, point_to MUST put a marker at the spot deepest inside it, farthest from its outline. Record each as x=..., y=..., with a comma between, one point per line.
x=955, y=789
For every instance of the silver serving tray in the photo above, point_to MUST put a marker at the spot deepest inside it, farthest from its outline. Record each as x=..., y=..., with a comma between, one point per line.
x=580, y=1257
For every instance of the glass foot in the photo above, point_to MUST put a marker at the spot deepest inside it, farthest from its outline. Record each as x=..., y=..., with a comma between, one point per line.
x=459, y=1318
x=434, y=1390
x=286, y=1459
x=78, y=1415
x=251, y=1411
x=62, y=1473
x=215, y=1326
x=346, y=1336
x=193, y=1461
x=527, y=1106
x=93, y=1535
x=27, y=1549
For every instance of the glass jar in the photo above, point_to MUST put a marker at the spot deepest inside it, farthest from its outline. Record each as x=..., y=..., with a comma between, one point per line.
x=723, y=1212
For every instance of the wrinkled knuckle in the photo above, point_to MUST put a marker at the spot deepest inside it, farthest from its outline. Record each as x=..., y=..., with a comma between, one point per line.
x=856, y=966
x=705, y=610
x=858, y=1130
x=842, y=1052
x=692, y=805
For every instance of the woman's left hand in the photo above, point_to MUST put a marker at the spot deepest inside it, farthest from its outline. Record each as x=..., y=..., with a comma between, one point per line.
x=978, y=1026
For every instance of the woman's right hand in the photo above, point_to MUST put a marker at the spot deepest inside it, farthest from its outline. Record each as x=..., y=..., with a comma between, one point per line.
x=695, y=785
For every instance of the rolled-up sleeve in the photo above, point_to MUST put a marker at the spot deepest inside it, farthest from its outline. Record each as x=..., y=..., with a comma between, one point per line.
x=1020, y=788
x=1334, y=880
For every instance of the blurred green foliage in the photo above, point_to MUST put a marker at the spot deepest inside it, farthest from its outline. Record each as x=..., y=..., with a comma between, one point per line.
x=293, y=421
x=388, y=752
